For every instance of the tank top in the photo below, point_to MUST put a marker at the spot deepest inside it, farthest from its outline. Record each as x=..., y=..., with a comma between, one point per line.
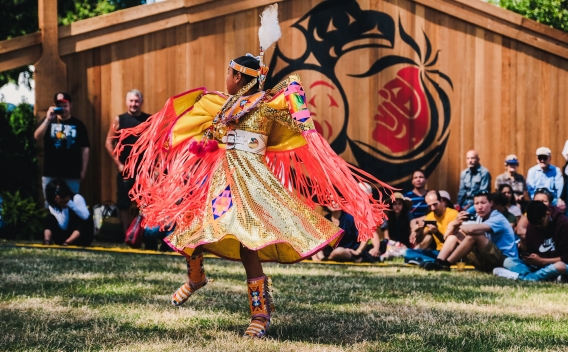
x=127, y=121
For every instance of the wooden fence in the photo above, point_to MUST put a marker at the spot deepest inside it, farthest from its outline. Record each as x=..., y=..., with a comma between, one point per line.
x=394, y=85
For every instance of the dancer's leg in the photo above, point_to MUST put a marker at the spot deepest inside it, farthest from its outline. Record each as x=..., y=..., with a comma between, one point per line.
x=259, y=294
x=196, y=278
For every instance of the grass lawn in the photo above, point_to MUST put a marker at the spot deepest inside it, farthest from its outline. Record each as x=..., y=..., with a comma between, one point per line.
x=64, y=300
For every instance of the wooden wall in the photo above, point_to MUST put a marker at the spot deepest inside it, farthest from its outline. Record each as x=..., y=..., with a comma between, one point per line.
x=508, y=95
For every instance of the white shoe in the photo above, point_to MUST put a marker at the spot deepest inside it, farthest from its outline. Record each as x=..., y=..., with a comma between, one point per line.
x=508, y=274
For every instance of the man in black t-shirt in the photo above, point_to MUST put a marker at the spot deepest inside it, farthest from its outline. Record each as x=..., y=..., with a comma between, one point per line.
x=65, y=144
x=133, y=117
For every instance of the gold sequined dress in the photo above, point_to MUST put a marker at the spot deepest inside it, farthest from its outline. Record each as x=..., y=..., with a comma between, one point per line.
x=260, y=193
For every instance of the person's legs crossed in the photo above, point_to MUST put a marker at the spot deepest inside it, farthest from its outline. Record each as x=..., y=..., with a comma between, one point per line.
x=517, y=266
x=548, y=272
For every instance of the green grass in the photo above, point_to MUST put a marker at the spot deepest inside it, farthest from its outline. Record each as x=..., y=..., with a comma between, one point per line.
x=63, y=300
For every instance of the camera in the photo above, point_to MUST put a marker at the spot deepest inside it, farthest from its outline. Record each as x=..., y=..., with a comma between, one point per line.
x=58, y=110
x=471, y=217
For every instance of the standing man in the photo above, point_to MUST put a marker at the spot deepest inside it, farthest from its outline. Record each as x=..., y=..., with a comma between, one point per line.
x=474, y=179
x=511, y=177
x=545, y=175
x=65, y=144
x=133, y=117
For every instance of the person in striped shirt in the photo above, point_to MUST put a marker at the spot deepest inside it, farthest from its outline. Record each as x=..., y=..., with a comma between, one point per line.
x=419, y=206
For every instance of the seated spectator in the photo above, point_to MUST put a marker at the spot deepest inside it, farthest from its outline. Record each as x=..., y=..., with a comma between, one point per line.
x=447, y=199
x=540, y=195
x=510, y=177
x=484, y=243
x=474, y=179
x=512, y=206
x=435, y=223
x=500, y=202
x=545, y=245
x=397, y=226
x=349, y=248
x=419, y=207
x=69, y=221
x=545, y=175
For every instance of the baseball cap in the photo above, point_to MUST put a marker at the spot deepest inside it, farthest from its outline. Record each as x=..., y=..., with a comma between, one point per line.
x=511, y=159
x=367, y=188
x=445, y=194
x=543, y=151
x=406, y=201
x=62, y=97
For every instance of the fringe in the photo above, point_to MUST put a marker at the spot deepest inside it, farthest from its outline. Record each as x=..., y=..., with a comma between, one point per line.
x=170, y=186
x=319, y=176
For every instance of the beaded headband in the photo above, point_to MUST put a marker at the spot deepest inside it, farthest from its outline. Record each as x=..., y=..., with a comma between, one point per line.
x=243, y=69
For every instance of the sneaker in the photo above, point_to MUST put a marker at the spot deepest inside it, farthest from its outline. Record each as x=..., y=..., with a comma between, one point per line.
x=415, y=261
x=562, y=279
x=433, y=266
x=507, y=274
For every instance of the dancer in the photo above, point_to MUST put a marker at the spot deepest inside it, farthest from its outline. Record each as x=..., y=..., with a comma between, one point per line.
x=239, y=175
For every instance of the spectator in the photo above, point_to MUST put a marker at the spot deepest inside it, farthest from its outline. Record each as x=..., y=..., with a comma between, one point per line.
x=349, y=248
x=131, y=118
x=500, y=203
x=397, y=226
x=513, y=208
x=447, y=199
x=511, y=177
x=485, y=243
x=65, y=144
x=433, y=235
x=68, y=221
x=419, y=206
x=545, y=244
x=545, y=175
x=474, y=179
x=541, y=195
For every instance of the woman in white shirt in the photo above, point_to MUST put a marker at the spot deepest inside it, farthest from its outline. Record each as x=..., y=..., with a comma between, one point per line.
x=69, y=221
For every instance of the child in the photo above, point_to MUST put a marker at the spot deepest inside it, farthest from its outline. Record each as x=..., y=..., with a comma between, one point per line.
x=239, y=175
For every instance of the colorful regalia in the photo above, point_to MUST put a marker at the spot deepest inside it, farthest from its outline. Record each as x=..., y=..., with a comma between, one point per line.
x=259, y=185
x=244, y=170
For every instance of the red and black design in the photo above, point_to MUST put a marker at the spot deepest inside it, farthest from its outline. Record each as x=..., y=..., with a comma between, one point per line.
x=413, y=114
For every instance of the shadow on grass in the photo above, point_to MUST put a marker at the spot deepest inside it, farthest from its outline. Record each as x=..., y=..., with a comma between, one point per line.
x=101, y=301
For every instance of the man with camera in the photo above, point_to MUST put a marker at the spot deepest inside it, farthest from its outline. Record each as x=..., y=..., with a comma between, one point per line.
x=65, y=144
x=544, y=245
x=483, y=239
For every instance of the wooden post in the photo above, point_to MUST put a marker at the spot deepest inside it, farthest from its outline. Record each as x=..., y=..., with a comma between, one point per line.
x=50, y=72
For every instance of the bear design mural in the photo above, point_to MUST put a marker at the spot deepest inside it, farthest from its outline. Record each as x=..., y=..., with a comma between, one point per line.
x=411, y=120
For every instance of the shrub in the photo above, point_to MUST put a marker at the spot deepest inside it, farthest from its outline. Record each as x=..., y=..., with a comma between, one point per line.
x=553, y=13
x=22, y=217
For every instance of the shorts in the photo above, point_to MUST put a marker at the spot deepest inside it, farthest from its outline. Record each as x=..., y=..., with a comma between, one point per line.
x=486, y=259
x=123, y=186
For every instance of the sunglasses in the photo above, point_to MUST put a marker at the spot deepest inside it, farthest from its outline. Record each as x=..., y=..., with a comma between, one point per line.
x=542, y=157
x=543, y=190
x=481, y=193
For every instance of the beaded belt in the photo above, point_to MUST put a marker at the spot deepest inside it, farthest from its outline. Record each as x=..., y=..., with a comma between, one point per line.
x=246, y=141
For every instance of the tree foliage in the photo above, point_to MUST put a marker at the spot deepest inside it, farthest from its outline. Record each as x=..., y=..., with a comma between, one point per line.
x=19, y=17
x=553, y=13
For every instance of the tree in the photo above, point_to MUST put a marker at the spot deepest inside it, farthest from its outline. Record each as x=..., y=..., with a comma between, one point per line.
x=21, y=18
x=553, y=13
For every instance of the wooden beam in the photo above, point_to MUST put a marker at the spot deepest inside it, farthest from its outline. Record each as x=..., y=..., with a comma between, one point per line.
x=19, y=43
x=50, y=73
x=18, y=58
x=508, y=24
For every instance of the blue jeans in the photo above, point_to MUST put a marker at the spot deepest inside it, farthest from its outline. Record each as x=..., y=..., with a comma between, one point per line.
x=529, y=272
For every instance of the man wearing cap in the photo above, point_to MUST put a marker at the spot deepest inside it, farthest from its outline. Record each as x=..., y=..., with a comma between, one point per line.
x=472, y=180
x=435, y=222
x=545, y=175
x=65, y=144
x=511, y=177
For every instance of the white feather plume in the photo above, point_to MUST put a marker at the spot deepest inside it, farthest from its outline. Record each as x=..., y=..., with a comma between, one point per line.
x=269, y=31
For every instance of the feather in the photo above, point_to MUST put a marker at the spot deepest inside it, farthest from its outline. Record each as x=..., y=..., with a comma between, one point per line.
x=269, y=31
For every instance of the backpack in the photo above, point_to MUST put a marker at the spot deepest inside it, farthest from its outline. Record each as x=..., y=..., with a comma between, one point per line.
x=107, y=224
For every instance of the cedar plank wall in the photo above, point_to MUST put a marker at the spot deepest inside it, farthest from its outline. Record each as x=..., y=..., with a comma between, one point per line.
x=508, y=97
